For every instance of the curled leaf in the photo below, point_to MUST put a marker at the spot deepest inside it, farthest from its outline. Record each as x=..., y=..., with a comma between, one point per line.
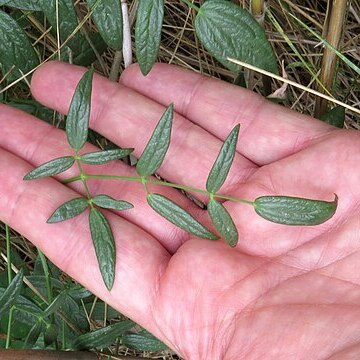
x=178, y=216
x=295, y=211
x=51, y=168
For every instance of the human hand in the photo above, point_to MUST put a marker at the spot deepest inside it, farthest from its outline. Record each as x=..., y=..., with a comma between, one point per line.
x=282, y=293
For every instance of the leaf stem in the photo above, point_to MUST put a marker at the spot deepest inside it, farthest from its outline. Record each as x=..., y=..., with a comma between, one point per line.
x=83, y=177
x=156, y=182
x=191, y=5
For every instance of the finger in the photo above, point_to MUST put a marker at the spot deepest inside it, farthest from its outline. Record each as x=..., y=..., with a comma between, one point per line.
x=141, y=260
x=269, y=132
x=128, y=119
x=17, y=136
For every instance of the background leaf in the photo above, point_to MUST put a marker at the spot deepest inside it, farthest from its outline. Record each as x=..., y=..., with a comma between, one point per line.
x=51, y=168
x=108, y=202
x=15, y=48
x=178, y=216
x=222, y=165
x=68, y=210
x=107, y=16
x=77, y=121
x=335, y=116
x=9, y=296
x=226, y=30
x=155, y=150
x=223, y=222
x=295, y=211
x=103, y=240
x=34, y=5
x=102, y=157
x=149, y=21
x=102, y=338
x=143, y=341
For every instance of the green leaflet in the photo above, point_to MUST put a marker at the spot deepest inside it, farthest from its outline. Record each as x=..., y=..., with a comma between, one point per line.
x=50, y=168
x=107, y=16
x=102, y=338
x=77, y=121
x=102, y=157
x=149, y=21
x=223, y=222
x=143, y=341
x=103, y=240
x=108, y=202
x=69, y=210
x=223, y=162
x=23, y=4
x=226, y=30
x=9, y=296
x=295, y=211
x=16, y=52
x=178, y=216
x=335, y=116
x=155, y=150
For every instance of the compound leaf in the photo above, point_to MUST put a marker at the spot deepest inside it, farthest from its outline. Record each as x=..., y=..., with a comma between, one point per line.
x=107, y=16
x=77, y=121
x=155, y=150
x=223, y=162
x=223, y=222
x=149, y=21
x=32, y=5
x=178, y=216
x=104, y=244
x=102, y=157
x=226, y=30
x=103, y=337
x=295, y=211
x=69, y=210
x=51, y=168
x=17, y=56
x=108, y=202
x=9, y=296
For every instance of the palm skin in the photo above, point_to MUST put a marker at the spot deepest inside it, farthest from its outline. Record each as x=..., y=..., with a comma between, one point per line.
x=282, y=293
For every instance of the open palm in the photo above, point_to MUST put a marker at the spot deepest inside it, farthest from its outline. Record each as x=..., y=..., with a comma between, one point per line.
x=282, y=293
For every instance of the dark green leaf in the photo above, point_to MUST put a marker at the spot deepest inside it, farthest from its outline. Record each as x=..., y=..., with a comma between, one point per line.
x=98, y=311
x=107, y=16
x=55, y=304
x=64, y=11
x=223, y=162
x=77, y=121
x=50, y=335
x=103, y=240
x=102, y=157
x=108, y=202
x=294, y=211
x=33, y=335
x=335, y=117
x=226, y=30
x=51, y=168
x=39, y=282
x=74, y=312
x=16, y=53
x=78, y=292
x=68, y=210
x=223, y=222
x=102, y=338
x=8, y=298
x=149, y=21
x=178, y=216
x=23, y=4
x=155, y=150
x=143, y=341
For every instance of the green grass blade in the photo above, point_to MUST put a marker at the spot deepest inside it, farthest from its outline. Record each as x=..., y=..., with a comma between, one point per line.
x=51, y=168
x=221, y=167
x=77, y=121
x=104, y=244
x=223, y=222
x=155, y=150
x=178, y=216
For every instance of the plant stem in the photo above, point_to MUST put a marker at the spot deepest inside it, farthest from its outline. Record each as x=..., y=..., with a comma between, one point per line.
x=83, y=177
x=156, y=182
x=191, y=5
x=9, y=272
